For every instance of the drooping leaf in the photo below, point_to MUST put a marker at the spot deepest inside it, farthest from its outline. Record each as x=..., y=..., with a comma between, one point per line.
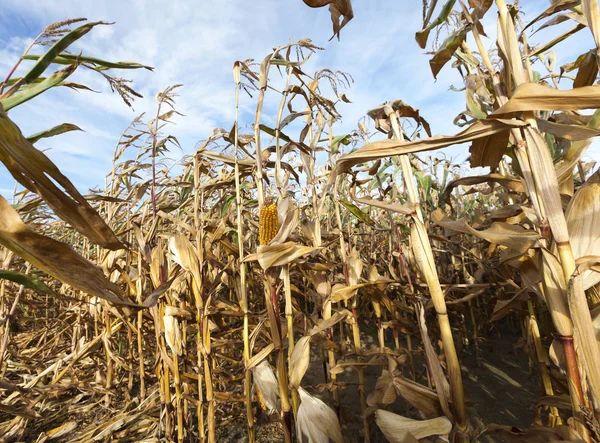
x=389, y=148
x=447, y=49
x=59, y=129
x=67, y=59
x=537, y=97
x=63, y=43
x=34, y=170
x=339, y=9
x=423, y=35
x=37, y=88
x=28, y=281
x=317, y=421
x=511, y=236
x=55, y=258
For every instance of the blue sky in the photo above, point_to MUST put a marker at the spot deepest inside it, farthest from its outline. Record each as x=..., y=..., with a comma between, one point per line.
x=195, y=43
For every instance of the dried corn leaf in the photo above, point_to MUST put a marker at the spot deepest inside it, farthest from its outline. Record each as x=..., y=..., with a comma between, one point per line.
x=510, y=183
x=62, y=430
x=557, y=6
x=511, y=236
x=186, y=256
x=586, y=345
x=390, y=148
x=406, y=208
x=488, y=151
x=538, y=97
x=568, y=132
x=533, y=435
x=32, y=169
x=447, y=50
x=555, y=293
x=55, y=258
x=588, y=70
x=385, y=391
x=338, y=9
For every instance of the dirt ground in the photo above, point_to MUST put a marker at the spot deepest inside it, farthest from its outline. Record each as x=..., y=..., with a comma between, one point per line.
x=500, y=389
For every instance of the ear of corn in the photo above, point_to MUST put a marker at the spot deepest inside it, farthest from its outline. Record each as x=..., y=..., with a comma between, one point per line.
x=269, y=224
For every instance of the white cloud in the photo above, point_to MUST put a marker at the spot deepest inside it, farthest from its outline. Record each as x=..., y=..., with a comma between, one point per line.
x=196, y=43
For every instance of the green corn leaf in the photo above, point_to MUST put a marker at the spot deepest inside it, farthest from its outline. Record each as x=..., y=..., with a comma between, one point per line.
x=60, y=129
x=357, y=212
x=62, y=44
x=38, y=88
x=67, y=59
x=422, y=35
x=26, y=280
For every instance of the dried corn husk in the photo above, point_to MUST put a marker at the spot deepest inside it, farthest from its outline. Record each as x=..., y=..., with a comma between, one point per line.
x=583, y=222
x=316, y=421
x=399, y=429
x=266, y=386
x=172, y=330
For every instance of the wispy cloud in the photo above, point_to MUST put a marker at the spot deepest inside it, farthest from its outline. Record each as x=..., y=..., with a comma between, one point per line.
x=196, y=43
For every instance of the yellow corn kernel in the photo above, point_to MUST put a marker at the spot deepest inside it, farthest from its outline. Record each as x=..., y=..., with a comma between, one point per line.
x=269, y=225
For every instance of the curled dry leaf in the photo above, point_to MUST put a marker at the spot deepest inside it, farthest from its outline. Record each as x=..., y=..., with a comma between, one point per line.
x=433, y=364
x=385, y=391
x=537, y=97
x=316, y=421
x=186, y=256
x=341, y=292
x=511, y=236
x=355, y=267
x=338, y=9
x=399, y=429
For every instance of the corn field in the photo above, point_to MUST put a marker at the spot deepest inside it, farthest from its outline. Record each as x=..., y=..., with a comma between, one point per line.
x=288, y=282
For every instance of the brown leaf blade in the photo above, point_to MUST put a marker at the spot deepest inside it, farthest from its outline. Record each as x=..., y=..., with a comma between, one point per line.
x=537, y=97
x=390, y=148
x=55, y=258
x=36, y=172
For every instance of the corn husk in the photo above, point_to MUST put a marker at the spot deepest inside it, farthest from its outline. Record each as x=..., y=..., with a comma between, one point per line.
x=316, y=422
x=583, y=222
x=172, y=331
x=266, y=386
x=399, y=429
